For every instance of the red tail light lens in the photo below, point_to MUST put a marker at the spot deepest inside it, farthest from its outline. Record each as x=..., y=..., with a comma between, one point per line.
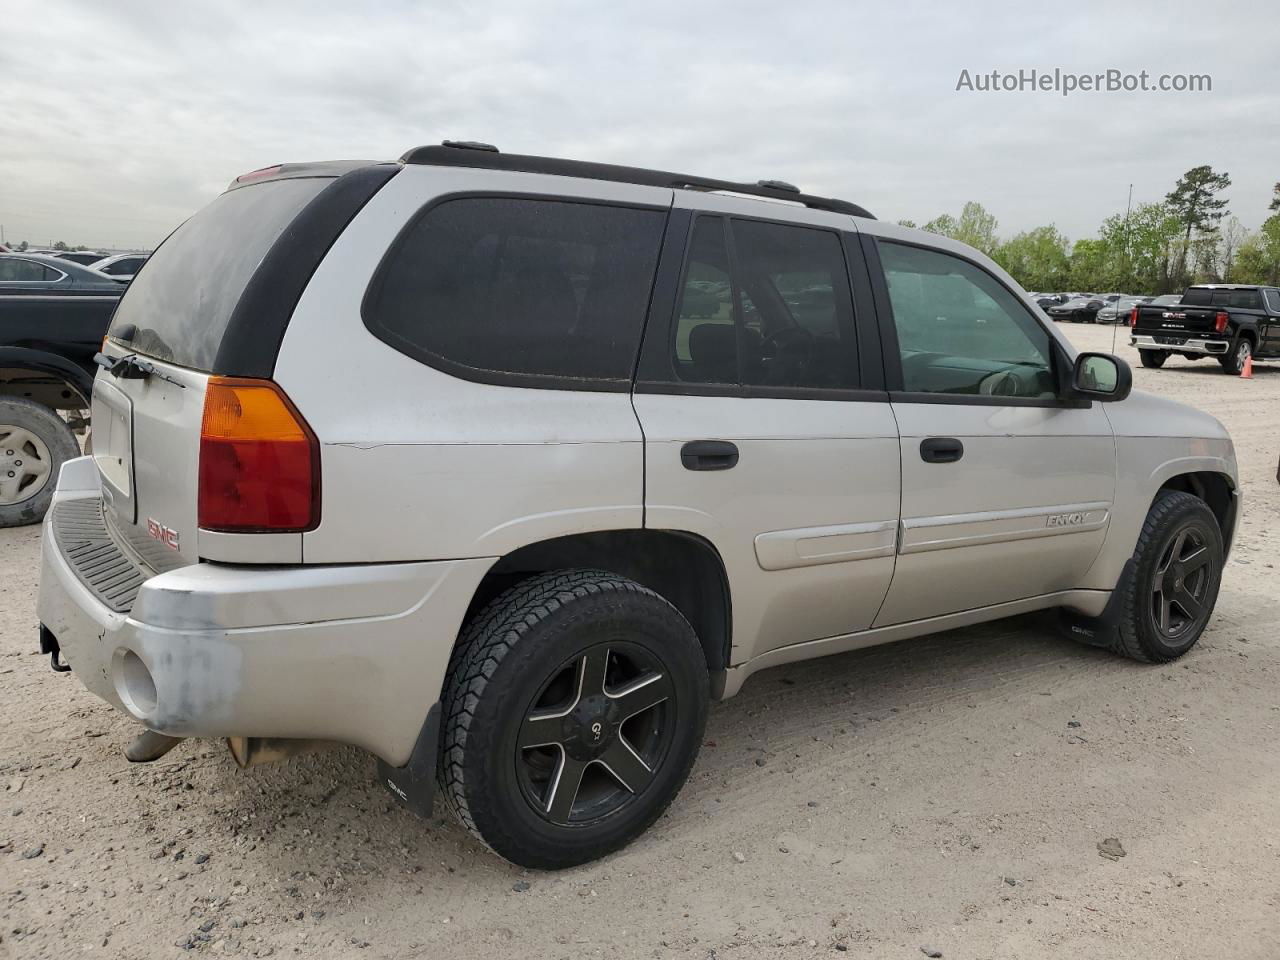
x=259, y=461
x=1133, y=317
x=1220, y=322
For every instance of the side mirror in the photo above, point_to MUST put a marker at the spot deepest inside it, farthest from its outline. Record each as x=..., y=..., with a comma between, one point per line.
x=1101, y=376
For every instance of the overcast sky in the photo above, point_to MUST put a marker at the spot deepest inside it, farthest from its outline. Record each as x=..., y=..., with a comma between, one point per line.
x=119, y=119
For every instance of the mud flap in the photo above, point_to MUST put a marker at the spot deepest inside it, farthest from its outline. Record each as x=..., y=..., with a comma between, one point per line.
x=415, y=783
x=1099, y=631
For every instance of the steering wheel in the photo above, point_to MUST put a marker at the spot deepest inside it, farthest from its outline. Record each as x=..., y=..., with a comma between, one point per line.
x=777, y=343
x=1003, y=383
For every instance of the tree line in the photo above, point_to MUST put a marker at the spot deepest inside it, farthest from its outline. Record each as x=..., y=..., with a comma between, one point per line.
x=1189, y=237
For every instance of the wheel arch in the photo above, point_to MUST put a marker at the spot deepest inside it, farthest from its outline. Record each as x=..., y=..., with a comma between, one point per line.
x=1216, y=489
x=683, y=568
x=18, y=363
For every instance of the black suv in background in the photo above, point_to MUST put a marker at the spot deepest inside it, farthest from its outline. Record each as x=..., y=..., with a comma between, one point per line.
x=1232, y=322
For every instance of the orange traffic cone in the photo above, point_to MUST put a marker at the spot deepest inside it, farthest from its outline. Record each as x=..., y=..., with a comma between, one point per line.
x=1246, y=372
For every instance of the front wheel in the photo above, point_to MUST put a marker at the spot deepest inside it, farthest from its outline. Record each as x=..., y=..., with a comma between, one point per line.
x=1177, y=571
x=1234, y=362
x=1153, y=358
x=34, y=444
x=573, y=711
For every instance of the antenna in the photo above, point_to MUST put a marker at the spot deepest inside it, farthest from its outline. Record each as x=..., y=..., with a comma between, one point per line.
x=1127, y=207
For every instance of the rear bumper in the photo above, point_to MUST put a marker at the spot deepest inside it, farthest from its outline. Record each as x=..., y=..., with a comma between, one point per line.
x=1217, y=348
x=349, y=653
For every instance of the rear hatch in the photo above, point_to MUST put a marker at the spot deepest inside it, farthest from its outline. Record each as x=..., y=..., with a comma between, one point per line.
x=212, y=300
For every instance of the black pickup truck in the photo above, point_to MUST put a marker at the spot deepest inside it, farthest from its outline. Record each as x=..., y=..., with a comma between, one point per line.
x=1228, y=321
x=53, y=315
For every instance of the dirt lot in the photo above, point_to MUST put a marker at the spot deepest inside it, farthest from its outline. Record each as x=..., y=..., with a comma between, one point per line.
x=948, y=793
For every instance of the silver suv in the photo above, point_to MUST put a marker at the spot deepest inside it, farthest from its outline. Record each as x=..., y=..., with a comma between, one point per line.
x=504, y=467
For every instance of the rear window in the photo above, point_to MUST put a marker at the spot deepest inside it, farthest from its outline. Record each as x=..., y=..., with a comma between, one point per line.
x=515, y=290
x=1204, y=297
x=180, y=305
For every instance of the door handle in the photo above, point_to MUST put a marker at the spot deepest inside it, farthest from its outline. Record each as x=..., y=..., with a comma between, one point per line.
x=941, y=450
x=709, y=455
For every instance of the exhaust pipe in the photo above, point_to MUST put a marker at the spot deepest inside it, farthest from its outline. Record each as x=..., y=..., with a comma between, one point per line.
x=255, y=751
x=149, y=745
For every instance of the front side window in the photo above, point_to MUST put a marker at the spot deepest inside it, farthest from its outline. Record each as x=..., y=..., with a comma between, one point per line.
x=527, y=287
x=960, y=331
x=783, y=320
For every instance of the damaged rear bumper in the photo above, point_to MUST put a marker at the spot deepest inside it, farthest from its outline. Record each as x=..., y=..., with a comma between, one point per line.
x=355, y=654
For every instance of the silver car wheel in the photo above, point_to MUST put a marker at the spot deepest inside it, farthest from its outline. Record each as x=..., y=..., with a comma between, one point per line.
x=25, y=464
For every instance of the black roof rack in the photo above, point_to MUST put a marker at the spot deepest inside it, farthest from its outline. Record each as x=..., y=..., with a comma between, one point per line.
x=486, y=156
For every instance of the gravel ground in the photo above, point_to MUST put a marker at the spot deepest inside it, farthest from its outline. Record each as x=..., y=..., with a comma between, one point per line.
x=948, y=794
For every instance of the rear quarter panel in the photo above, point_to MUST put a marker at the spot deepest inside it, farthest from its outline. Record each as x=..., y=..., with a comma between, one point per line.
x=417, y=464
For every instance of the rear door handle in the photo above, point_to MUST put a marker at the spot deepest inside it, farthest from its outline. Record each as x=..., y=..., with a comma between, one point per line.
x=709, y=455
x=941, y=450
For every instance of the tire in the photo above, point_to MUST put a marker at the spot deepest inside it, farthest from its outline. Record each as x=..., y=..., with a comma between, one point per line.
x=34, y=444
x=1234, y=363
x=1182, y=522
x=1153, y=358
x=523, y=669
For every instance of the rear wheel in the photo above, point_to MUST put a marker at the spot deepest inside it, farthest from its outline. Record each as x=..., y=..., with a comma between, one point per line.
x=34, y=444
x=573, y=711
x=1153, y=358
x=1233, y=363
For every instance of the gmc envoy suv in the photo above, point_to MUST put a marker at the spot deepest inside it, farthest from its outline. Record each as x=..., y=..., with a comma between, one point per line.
x=503, y=467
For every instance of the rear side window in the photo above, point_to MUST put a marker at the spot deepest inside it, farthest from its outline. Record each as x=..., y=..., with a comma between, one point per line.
x=25, y=271
x=1273, y=300
x=180, y=305
x=516, y=290
x=1245, y=299
x=793, y=322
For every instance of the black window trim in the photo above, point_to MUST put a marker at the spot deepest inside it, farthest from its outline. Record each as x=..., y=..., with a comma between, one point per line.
x=1061, y=362
x=655, y=373
x=505, y=378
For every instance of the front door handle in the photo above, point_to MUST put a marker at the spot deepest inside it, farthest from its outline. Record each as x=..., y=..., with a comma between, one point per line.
x=709, y=455
x=941, y=450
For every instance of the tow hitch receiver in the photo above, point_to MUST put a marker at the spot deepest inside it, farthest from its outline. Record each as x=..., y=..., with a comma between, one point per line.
x=49, y=645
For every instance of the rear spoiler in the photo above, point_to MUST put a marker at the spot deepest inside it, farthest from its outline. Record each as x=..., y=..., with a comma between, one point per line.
x=294, y=171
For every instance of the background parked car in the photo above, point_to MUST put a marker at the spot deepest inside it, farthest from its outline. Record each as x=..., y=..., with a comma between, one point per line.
x=1118, y=311
x=26, y=273
x=53, y=315
x=1047, y=301
x=120, y=267
x=1078, y=310
x=1166, y=300
x=82, y=257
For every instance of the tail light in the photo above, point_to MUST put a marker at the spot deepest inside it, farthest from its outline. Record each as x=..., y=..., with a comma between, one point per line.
x=259, y=461
x=1133, y=317
x=1220, y=322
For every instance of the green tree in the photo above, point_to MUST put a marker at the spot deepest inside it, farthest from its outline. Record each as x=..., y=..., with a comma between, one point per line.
x=976, y=227
x=1275, y=198
x=1038, y=259
x=907, y=223
x=1259, y=258
x=1142, y=249
x=1089, y=265
x=22, y=247
x=61, y=245
x=945, y=225
x=1195, y=202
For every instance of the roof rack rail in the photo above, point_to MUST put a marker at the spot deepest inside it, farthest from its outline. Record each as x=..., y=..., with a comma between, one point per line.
x=485, y=156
